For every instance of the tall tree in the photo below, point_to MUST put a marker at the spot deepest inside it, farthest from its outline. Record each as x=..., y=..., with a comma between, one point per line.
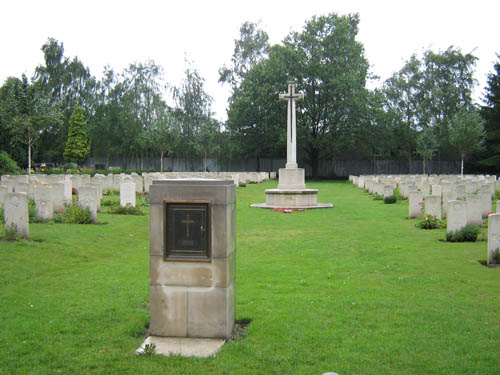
x=77, y=147
x=491, y=114
x=329, y=66
x=467, y=134
x=194, y=113
x=249, y=49
x=427, y=145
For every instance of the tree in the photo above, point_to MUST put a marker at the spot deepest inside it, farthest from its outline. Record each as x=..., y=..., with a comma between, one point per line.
x=427, y=145
x=491, y=115
x=26, y=114
x=194, y=114
x=65, y=83
x=427, y=92
x=162, y=134
x=77, y=147
x=249, y=49
x=466, y=134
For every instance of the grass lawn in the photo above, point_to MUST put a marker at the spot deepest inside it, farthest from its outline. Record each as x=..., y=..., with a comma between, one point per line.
x=356, y=289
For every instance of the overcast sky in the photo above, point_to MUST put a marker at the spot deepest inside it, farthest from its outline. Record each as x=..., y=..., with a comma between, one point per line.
x=117, y=33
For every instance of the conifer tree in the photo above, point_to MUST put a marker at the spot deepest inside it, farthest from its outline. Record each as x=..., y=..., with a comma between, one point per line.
x=77, y=147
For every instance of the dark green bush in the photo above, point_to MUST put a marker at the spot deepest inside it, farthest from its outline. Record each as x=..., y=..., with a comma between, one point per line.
x=390, y=199
x=127, y=210
x=110, y=202
x=429, y=222
x=468, y=233
x=378, y=197
x=7, y=165
x=74, y=215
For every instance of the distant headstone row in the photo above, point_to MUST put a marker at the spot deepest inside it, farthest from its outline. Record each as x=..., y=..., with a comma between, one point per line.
x=51, y=192
x=461, y=200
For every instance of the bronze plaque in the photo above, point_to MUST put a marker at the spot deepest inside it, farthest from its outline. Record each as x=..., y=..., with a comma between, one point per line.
x=187, y=231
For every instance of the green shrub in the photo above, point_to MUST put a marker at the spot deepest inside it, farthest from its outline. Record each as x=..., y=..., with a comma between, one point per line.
x=127, y=210
x=429, y=222
x=32, y=213
x=496, y=256
x=7, y=165
x=390, y=199
x=468, y=233
x=2, y=217
x=497, y=194
x=110, y=202
x=76, y=215
x=378, y=197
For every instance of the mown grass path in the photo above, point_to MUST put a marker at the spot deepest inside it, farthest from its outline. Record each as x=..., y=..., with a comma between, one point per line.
x=356, y=289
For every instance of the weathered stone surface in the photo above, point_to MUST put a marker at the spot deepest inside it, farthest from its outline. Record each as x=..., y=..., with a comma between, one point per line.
x=457, y=215
x=127, y=194
x=415, y=204
x=16, y=213
x=474, y=209
x=168, y=307
x=87, y=198
x=44, y=202
x=432, y=205
x=493, y=238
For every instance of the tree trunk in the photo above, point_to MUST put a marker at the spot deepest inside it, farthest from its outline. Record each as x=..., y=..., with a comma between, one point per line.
x=424, y=166
x=161, y=161
x=205, y=160
x=29, y=155
x=258, y=163
x=462, y=168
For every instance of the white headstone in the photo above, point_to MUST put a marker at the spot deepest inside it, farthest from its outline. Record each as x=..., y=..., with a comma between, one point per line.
x=457, y=215
x=437, y=190
x=68, y=191
x=474, y=209
x=493, y=236
x=16, y=214
x=87, y=198
x=127, y=194
x=44, y=203
x=4, y=190
x=58, y=196
x=415, y=204
x=433, y=205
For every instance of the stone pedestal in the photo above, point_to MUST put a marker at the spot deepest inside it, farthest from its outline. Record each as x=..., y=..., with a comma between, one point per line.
x=291, y=179
x=192, y=291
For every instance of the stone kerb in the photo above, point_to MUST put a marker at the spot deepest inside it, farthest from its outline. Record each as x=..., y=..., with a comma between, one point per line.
x=44, y=203
x=493, y=237
x=127, y=194
x=194, y=299
x=457, y=215
x=16, y=214
x=432, y=205
x=87, y=199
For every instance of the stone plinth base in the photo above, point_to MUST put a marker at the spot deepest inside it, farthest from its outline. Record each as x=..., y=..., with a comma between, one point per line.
x=294, y=199
x=185, y=347
x=292, y=179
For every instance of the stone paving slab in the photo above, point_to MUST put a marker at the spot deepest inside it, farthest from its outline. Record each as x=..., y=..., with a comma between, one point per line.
x=183, y=346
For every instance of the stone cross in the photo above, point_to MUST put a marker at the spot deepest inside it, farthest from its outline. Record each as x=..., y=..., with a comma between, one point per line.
x=291, y=147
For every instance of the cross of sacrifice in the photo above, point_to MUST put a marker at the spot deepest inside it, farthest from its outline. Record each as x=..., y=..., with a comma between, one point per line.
x=291, y=147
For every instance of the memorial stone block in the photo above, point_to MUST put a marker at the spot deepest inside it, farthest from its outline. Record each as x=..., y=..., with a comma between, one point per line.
x=192, y=258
